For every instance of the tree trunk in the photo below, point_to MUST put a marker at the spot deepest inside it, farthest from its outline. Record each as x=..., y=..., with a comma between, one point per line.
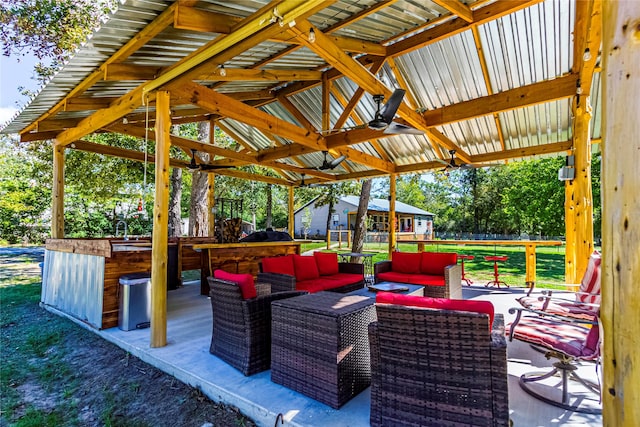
x=360, y=231
x=198, y=217
x=175, y=221
x=268, y=208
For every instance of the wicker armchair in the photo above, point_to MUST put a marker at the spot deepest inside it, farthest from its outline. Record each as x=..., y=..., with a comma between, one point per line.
x=437, y=367
x=242, y=328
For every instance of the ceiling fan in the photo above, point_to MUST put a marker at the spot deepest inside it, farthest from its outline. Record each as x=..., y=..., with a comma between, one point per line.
x=193, y=165
x=330, y=164
x=306, y=185
x=451, y=164
x=383, y=119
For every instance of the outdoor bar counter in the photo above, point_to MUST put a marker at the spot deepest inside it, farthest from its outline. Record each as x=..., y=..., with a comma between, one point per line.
x=80, y=277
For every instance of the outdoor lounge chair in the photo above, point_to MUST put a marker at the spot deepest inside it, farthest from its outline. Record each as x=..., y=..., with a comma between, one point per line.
x=242, y=327
x=586, y=303
x=432, y=367
x=569, y=341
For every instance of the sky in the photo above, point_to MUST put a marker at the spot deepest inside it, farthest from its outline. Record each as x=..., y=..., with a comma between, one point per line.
x=13, y=74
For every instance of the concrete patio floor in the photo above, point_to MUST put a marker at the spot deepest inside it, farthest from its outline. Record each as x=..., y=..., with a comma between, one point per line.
x=187, y=358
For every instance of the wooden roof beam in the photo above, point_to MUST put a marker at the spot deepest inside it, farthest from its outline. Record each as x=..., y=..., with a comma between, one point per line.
x=456, y=8
x=117, y=72
x=193, y=19
x=587, y=35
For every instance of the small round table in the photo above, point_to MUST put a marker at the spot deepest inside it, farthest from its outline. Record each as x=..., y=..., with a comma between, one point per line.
x=367, y=260
x=495, y=260
x=462, y=260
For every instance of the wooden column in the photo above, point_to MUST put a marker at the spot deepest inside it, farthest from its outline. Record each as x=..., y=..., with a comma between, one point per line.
x=578, y=196
x=392, y=214
x=292, y=223
x=620, y=309
x=57, y=194
x=160, y=223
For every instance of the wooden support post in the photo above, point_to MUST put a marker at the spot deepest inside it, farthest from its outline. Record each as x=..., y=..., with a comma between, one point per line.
x=530, y=265
x=159, y=246
x=578, y=196
x=619, y=310
x=292, y=221
x=211, y=203
x=392, y=214
x=57, y=194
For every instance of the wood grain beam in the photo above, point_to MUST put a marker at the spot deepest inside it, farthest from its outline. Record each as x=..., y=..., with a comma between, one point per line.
x=456, y=8
x=587, y=36
x=227, y=107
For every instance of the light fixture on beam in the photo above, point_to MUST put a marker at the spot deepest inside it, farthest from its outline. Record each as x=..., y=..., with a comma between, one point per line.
x=312, y=36
x=221, y=70
x=586, y=56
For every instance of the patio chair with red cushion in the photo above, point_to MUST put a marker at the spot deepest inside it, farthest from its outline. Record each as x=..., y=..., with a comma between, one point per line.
x=437, y=361
x=242, y=322
x=585, y=304
x=569, y=341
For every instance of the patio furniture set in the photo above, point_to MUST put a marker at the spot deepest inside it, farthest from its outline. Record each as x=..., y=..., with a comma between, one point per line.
x=429, y=359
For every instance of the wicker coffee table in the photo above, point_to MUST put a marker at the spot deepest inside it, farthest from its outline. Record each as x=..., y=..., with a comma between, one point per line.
x=402, y=288
x=320, y=345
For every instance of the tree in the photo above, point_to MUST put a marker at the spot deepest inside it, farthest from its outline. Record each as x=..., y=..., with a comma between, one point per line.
x=198, y=213
x=175, y=216
x=306, y=222
x=360, y=231
x=49, y=29
x=330, y=197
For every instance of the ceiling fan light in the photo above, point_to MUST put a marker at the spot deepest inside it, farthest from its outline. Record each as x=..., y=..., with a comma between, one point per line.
x=378, y=124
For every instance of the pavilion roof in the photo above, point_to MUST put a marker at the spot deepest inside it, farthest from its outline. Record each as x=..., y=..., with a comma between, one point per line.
x=493, y=80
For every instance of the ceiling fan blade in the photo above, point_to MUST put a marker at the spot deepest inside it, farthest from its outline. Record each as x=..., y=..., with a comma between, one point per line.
x=206, y=167
x=392, y=105
x=398, y=128
x=444, y=162
x=335, y=162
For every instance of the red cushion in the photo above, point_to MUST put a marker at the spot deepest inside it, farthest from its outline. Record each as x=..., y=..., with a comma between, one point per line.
x=591, y=280
x=437, y=303
x=416, y=279
x=405, y=262
x=244, y=281
x=305, y=267
x=435, y=262
x=312, y=285
x=279, y=264
x=327, y=262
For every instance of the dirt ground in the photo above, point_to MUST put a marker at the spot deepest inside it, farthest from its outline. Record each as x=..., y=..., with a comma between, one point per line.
x=81, y=379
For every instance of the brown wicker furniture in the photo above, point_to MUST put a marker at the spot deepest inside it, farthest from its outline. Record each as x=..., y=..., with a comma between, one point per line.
x=294, y=274
x=438, y=272
x=437, y=367
x=242, y=328
x=320, y=346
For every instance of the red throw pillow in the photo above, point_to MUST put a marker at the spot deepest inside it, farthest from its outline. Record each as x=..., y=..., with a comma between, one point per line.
x=405, y=262
x=437, y=303
x=305, y=267
x=435, y=262
x=591, y=280
x=279, y=264
x=327, y=263
x=244, y=281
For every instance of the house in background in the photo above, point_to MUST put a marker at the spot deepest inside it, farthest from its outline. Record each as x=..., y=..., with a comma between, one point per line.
x=409, y=219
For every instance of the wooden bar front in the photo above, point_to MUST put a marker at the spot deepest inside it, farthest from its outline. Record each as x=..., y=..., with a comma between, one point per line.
x=239, y=257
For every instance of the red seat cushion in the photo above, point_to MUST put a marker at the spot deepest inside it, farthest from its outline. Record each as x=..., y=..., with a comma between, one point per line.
x=405, y=262
x=437, y=303
x=435, y=262
x=312, y=285
x=279, y=264
x=305, y=267
x=244, y=281
x=591, y=280
x=342, y=279
x=327, y=262
x=416, y=279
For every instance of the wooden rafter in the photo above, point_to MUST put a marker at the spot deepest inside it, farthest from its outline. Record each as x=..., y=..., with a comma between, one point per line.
x=456, y=8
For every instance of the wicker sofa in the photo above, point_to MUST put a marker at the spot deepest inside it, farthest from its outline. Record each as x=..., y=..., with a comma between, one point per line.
x=438, y=272
x=437, y=366
x=242, y=327
x=320, y=272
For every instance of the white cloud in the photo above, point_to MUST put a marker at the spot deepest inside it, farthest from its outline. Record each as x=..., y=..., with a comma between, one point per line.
x=6, y=114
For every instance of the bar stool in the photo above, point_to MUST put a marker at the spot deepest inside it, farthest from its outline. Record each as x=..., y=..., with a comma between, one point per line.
x=495, y=260
x=462, y=259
